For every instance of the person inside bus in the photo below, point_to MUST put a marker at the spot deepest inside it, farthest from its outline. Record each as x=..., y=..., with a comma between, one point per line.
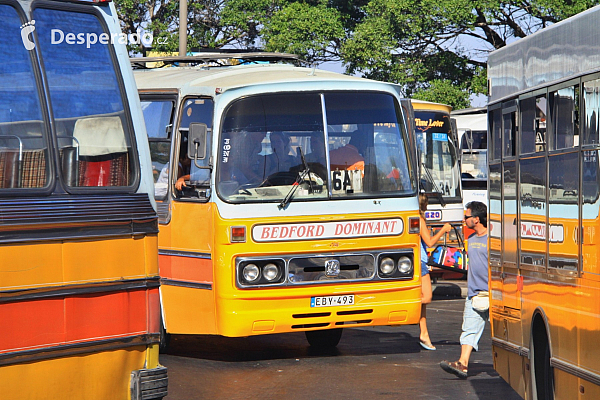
x=426, y=292
x=248, y=165
x=160, y=187
x=477, y=281
x=317, y=148
x=349, y=157
x=281, y=160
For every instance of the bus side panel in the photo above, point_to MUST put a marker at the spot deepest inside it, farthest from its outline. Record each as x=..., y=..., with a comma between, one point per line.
x=191, y=227
x=512, y=368
x=112, y=259
x=74, y=319
x=93, y=376
x=29, y=266
x=187, y=279
x=188, y=310
x=186, y=269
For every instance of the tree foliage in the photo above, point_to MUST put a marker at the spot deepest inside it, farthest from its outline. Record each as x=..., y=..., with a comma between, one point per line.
x=423, y=45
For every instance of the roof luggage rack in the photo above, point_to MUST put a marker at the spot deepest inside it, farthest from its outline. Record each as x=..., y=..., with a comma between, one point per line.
x=215, y=58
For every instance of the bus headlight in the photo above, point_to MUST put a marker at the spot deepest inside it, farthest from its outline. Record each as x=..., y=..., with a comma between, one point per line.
x=386, y=266
x=270, y=272
x=251, y=273
x=397, y=265
x=404, y=265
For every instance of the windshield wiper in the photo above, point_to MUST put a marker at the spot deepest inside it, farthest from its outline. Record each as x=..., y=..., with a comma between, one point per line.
x=434, y=185
x=288, y=198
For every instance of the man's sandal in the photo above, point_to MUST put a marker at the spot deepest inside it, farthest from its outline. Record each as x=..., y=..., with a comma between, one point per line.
x=455, y=368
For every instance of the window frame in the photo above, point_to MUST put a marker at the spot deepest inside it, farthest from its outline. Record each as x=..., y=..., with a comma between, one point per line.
x=128, y=128
x=47, y=135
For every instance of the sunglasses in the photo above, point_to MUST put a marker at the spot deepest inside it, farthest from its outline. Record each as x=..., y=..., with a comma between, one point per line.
x=468, y=216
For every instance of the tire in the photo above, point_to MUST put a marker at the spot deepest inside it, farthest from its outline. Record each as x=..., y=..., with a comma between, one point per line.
x=324, y=338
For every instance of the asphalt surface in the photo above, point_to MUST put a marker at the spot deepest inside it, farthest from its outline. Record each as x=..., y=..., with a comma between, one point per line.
x=374, y=362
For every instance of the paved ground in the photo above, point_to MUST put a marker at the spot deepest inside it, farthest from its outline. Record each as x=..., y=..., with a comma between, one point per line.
x=378, y=362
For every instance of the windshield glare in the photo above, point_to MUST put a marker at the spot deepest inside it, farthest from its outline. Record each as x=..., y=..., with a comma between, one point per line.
x=437, y=153
x=265, y=138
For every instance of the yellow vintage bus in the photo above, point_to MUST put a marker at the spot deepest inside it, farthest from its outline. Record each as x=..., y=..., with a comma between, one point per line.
x=79, y=298
x=275, y=231
x=439, y=173
x=544, y=210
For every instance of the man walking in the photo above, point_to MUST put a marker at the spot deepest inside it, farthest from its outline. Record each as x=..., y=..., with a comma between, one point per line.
x=477, y=281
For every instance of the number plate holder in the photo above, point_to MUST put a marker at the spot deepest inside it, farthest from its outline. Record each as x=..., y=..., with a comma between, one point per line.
x=332, y=301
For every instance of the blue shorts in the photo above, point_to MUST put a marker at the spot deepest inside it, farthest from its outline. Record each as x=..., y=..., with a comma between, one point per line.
x=424, y=269
x=473, y=325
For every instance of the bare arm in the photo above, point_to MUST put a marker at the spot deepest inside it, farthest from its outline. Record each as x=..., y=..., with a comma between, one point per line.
x=429, y=240
x=181, y=182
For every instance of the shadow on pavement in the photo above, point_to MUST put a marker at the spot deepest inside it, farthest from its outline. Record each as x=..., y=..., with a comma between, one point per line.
x=373, y=340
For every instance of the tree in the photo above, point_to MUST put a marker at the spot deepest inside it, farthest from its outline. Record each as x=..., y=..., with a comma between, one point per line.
x=418, y=42
x=212, y=24
x=410, y=42
x=443, y=91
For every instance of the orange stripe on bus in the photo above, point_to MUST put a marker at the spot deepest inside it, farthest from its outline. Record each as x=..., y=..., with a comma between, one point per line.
x=187, y=269
x=58, y=321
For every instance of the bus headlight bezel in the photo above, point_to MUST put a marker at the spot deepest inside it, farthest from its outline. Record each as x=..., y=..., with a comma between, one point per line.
x=270, y=272
x=403, y=265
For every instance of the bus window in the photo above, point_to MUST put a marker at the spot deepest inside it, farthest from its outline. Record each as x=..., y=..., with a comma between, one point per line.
x=495, y=124
x=438, y=153
x=509, y=133
x=252, y=170
x=367, y=151
x=23, y=136
x=86, y=97
x=591, y=119
x=564, y=108
x=158, y=116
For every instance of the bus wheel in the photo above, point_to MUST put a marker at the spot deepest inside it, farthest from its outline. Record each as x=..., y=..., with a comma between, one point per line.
x=324, y=338
x=542, y=371
x=165, y=338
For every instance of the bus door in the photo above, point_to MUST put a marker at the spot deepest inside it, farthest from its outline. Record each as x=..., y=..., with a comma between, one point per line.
x=159, y=110
x=511, y=280
x=185, y=259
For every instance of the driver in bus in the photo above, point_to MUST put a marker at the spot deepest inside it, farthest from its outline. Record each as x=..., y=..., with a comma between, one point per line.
x=280, y=160
x=248, y=165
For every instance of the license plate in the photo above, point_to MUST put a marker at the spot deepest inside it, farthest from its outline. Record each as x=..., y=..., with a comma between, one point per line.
x=330, y=301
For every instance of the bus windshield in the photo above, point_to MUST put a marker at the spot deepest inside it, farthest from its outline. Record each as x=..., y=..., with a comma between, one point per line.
x=437, y=153
x=269, y=142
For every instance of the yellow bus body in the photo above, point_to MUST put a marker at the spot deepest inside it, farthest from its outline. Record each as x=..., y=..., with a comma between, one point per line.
x=79, y=280
x=544, y=196
x=198, y=255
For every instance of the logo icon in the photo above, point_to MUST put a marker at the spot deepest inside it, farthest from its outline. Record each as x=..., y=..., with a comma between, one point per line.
x=332, y=268
x=26, y=29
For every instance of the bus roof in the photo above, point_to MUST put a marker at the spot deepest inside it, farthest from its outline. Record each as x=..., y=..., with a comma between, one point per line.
x=428, y=105
x=474, y=122
x=203, y=80
x=559, y=52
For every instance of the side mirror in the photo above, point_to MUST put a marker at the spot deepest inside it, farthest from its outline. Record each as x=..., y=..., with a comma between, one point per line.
x=197, y=141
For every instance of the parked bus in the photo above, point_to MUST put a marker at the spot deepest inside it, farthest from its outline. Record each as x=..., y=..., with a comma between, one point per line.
x=544, y=210
x=79, y=298
x=437, y=146
x=299, y=211
x=471, y=124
